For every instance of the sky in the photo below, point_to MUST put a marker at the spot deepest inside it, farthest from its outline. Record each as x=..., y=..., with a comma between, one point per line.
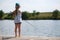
x=30, y=5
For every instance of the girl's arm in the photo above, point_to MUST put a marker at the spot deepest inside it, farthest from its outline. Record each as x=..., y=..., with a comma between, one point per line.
x=13, y=13
x=20, y=12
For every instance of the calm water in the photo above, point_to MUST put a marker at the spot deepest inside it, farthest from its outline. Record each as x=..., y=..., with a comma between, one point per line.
x=32, y=27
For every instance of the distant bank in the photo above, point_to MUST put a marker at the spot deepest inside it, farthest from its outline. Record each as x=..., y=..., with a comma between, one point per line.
x=55, y=15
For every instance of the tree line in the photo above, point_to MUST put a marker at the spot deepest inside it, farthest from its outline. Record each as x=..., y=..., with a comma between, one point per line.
x=32, y=16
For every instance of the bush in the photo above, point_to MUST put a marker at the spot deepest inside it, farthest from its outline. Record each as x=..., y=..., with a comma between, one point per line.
x=1, y=14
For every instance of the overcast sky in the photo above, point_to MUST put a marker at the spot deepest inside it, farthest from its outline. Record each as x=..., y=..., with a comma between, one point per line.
x=30, y=5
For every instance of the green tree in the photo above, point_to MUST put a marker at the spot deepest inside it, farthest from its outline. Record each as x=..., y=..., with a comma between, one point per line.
x=25, y=15
x=55, y=14
x=37, y=13
x=1, y=14
x=34, y=12
x=9, y=16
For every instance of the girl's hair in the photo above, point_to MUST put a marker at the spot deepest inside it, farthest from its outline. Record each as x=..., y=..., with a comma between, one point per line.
x=17, y=4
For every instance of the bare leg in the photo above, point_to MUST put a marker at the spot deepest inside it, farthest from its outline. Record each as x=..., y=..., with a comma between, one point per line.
x=15, y=29
x=19, y=29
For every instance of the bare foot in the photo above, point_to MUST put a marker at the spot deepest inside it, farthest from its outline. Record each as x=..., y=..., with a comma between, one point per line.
x=15, y=36
x=19, y=36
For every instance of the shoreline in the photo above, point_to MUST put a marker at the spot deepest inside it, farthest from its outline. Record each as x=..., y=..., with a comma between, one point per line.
x=29, y=38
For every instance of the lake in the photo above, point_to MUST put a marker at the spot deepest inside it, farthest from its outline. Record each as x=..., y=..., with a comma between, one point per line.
x=32, y=27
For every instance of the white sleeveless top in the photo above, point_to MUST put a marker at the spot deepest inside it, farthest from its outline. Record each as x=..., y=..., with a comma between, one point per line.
x=18, y=17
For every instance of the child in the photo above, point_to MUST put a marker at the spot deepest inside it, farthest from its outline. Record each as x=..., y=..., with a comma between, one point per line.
x=17, y=19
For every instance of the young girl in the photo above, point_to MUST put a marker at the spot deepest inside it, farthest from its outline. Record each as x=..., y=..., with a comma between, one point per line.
x=17, y=19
